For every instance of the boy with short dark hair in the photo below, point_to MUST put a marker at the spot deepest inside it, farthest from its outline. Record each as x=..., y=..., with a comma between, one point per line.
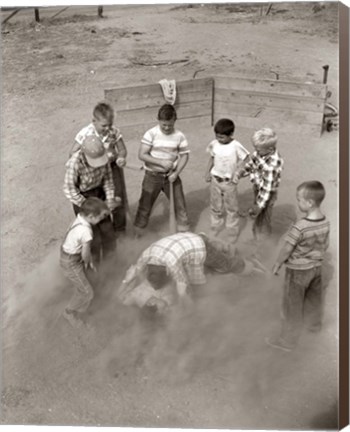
x=303, y=254
x=102, y=126
x=76, y=257
x=264, y=168
x=164, y=152
x=226, y=156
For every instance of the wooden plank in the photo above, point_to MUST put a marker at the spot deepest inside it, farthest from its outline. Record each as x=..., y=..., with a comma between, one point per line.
x=272, y=86
x=271, y=100
x=258, y=123
x=154, y=90
x=157, y=101
x=149, y=115
x=294, y=116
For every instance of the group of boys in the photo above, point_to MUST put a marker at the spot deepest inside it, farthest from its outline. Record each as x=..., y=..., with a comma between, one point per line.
x=94, y=184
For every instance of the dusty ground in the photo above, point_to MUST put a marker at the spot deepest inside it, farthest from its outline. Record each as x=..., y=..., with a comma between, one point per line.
x=209, y=369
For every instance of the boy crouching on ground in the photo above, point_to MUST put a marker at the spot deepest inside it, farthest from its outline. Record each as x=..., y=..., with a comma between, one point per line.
x=76, y=258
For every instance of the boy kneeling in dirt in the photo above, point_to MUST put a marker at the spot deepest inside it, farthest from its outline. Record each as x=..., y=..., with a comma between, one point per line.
x=76, y=257
x=181, y=259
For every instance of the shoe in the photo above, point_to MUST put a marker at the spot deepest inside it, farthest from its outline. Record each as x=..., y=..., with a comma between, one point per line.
x=278, y=343
x=73, y=319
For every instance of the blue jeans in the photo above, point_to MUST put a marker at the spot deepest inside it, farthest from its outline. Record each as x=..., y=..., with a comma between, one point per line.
x=262, y=223
x=153, y=183
x=74, y=270
x=303, y=298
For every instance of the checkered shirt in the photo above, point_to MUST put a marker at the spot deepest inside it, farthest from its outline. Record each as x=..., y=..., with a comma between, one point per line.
x=81, y=177
x=183, y=254
x=265, y=174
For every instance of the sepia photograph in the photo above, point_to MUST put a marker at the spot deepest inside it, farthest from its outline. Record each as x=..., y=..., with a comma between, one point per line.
x=170, y=207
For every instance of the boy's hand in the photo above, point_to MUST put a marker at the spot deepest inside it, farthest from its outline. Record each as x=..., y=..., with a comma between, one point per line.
x=167, y=165
x=172, y=177
x=207, y=177
x=130, y=274
x=254, y=211
x=90, y=264
x=276, y=268
x=235, y=178
x=114, y=203
x=121, y=162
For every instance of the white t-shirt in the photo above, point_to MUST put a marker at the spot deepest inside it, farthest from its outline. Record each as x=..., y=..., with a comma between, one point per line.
x=226, y=157
x=166, y=147
x=79, y=232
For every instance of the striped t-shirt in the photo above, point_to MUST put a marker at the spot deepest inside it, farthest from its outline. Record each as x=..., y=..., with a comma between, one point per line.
x=310, y=239
x=166, y=147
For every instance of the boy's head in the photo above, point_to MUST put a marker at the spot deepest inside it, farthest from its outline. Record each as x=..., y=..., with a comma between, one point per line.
x=310, y=195
x=94, y=210
x=224, y=129
x=103, y=116
x=157, y=276
x=167, y=118
x=94, y=151
x=264, y=141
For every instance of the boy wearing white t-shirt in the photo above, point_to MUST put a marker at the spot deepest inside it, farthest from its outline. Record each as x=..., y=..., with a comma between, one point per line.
x=76, y=256
x=226, y=157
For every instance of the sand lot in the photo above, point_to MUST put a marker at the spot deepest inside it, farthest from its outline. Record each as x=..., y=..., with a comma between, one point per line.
x=207, y=369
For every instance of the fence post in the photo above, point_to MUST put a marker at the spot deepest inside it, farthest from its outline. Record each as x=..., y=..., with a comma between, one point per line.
x=100, y=11
x=36, y=13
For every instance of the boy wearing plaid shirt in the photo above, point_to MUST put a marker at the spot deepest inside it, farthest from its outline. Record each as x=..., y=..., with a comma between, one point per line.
x=264, y=168
x=88, y=174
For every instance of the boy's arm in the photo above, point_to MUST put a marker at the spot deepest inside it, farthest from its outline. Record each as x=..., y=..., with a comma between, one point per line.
x=70, y=188
x=76, y=146
x=144, y=155
x=108, y=187
x=86, y=255
x=210, y=165
x=179, y=167
x=283, y=256
x=240, y=169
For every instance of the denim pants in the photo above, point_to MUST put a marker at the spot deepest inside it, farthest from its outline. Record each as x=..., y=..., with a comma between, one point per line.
x=153, y=183
x=73, y=269
x=223, y=198
x=262, y=223
x=104, y=239
x=303, y=298
x=119, y=214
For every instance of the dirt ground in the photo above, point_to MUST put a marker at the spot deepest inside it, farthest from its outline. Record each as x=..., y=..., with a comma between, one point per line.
x=206, y=369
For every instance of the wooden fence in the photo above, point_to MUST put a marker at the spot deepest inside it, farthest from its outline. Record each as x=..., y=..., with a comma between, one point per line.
x=251, y=103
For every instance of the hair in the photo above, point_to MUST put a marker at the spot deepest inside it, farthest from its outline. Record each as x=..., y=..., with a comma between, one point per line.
x=167, y=112
x=224, y=127
x=93, y=206
x=313, y=190
x=157, y=275
x=103, y=110
x=265, y=137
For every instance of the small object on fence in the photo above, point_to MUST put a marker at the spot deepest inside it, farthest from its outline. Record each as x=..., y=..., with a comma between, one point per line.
x=276, y=73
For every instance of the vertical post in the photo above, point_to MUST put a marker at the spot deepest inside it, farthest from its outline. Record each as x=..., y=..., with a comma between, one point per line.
x=325, y=73
x=100, y=11
x=212, y=100
x=36, y=14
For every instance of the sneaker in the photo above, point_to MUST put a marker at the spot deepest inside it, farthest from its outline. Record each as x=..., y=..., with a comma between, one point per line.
x=73, y=319
x=279, y=344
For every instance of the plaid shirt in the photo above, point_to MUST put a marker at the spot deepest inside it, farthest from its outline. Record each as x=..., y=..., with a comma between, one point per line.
x=265, y=174
x=183, y=254
x=81, y=177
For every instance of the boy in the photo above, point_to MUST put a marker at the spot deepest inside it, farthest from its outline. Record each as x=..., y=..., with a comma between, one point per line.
x=303, y=254
x=102, y=127
x=182, y=259
x=226, y=155
x=164, y=151
x=76, y=258
x=264, y=168
x=88, y=174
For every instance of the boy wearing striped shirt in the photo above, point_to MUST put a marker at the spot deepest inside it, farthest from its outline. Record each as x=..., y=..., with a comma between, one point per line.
x=303, y=253
x=164, y=152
